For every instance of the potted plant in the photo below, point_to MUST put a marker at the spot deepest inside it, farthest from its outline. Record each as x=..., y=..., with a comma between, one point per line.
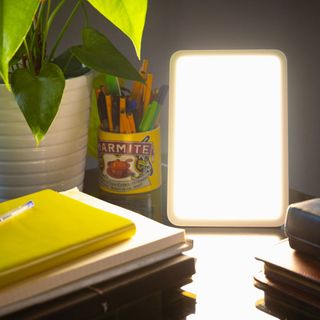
x=36, y=79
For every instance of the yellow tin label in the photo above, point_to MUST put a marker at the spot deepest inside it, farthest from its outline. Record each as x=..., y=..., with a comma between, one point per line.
x=129, y=163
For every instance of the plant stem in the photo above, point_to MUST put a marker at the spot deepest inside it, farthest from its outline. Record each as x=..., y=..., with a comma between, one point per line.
x=37, y=24
x=85, y=13
x=31, y=66
x=54, y=13
x=63, y=30
x=45, y=33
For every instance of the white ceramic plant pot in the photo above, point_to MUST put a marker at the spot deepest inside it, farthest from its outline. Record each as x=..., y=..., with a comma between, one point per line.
x=58, y=162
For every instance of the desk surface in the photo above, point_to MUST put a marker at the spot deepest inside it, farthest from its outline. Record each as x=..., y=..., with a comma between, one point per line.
x=225, y=264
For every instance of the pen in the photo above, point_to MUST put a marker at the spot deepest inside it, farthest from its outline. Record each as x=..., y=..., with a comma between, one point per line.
x=160, y=96
x=113, y=86
x=132, y=109
x=162, y=92
x=149, y=116
x=16, y=211
x=102, y=109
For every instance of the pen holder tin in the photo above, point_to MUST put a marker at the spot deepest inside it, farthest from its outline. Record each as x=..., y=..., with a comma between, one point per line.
x=129, y=163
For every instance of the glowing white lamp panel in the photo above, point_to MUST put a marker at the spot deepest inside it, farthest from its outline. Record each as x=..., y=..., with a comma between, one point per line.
x=228, y=138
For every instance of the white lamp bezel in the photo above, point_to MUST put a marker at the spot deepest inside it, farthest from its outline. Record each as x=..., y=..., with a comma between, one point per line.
x=182, y=221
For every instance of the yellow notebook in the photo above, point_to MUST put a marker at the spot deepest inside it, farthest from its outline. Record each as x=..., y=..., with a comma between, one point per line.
x=56, y=230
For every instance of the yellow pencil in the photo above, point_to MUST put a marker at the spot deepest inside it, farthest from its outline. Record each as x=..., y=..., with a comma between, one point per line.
x=131, y=122
x=144, y=68
x=109, y=111
x=124, y=123
x=147, y=91
x=122, y=109
x=127, y=125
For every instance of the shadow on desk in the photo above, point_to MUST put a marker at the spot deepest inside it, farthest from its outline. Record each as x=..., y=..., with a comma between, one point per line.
x=225, y=264
x=152, y=204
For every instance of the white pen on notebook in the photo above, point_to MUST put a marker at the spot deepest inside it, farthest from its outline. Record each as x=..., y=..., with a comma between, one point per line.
x=16, y=211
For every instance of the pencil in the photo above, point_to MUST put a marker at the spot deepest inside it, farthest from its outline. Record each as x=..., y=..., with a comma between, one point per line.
x=109, y=111
x=147, y=91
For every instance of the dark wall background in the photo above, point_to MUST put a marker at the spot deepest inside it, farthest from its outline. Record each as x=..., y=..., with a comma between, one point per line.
x=292, y=26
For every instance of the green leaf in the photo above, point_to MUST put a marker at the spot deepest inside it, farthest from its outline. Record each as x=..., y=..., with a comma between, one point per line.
x=128, y=15
x=94, y=120
x=39, y=96
x=70, y=65
x=17, y=56
x=98, y=53
x=15, y=20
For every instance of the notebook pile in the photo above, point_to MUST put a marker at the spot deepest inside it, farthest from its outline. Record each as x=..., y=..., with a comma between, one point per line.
x=290, y=282
x=73, y=256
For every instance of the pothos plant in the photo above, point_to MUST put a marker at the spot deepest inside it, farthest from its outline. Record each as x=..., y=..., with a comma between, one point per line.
x=36, y=76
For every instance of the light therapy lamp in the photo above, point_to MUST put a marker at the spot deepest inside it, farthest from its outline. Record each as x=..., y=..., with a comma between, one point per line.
x=228, y=149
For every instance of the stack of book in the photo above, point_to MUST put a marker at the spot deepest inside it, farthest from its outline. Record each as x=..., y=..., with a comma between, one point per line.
x=126, y=267
x=290, y=282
